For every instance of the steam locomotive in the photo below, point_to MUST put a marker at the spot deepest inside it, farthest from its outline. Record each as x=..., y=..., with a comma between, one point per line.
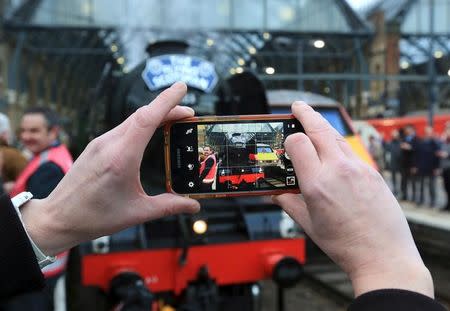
x=171, y=264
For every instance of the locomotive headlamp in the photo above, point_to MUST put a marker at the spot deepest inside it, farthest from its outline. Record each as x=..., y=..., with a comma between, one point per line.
x=200, y=226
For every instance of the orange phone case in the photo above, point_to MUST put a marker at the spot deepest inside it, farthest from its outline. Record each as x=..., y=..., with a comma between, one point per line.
x=219, y=119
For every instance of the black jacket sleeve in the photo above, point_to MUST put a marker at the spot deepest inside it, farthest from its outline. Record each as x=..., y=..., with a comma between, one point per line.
x=394, y=299
x=19, y=268
x=44, y=180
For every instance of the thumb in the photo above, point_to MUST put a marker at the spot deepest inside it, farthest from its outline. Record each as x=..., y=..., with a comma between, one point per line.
x=168, y=204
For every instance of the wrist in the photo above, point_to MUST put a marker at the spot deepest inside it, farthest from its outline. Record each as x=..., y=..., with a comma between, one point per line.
x=412, y=276
x=46, y=233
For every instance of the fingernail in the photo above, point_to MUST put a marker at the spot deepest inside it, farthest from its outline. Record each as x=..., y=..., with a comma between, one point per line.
x=179, y=85
x=298, y=103
x=191, y=111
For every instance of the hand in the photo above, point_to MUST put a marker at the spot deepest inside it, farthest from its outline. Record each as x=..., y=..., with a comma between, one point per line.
x=349, y=211
x=405, y=146
x=414, y=170
x=102, y=192
x=437, y=172
x=8, y=186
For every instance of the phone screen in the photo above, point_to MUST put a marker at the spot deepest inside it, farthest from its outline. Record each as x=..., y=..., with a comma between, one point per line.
x=232, y=156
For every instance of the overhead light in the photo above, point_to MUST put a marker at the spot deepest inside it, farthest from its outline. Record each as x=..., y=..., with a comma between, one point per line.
x=319, y=43
x=266, y=36
x=404, y=65
x=121, y=60
x=241, y=62
x=200, y=226
x=438, y=54
x=114, y=48
x=209, y=42
x=286, y=13
x=252, y=50
x=239, y=70
x=448, y=72
x=270, y=70
x=232, y=71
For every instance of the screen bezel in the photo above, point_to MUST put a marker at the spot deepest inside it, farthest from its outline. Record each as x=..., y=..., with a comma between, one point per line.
x=222, y=119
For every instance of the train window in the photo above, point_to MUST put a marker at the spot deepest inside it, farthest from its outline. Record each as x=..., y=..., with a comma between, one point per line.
x=333, y=115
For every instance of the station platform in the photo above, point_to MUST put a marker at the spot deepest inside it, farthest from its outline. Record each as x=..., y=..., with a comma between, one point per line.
x=426, y=216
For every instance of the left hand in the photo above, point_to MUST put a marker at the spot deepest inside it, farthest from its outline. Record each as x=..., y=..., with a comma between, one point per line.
x=102, y=192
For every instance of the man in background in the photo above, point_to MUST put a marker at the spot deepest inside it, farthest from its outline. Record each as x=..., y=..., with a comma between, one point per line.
x=427, y=165
x=208, y=170
x=408, y=171
x=39, y=133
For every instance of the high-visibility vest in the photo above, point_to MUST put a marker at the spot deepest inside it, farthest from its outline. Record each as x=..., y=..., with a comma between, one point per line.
x=209, y=178
x=61, y=157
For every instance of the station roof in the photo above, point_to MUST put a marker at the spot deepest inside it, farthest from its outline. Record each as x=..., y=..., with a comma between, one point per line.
x=414, y=15
x=325, y=16
x=228, y=32
x=413, y=18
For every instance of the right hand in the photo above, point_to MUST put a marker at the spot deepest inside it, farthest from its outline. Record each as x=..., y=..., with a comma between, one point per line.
x=349, y=211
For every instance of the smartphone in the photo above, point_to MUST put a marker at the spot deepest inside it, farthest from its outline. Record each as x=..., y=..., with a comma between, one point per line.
x=223, y=156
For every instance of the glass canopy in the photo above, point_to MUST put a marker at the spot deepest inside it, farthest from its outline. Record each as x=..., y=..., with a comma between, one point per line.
x=243, y=15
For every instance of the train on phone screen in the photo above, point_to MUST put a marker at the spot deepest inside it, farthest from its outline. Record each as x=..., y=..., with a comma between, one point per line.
x=213, y=260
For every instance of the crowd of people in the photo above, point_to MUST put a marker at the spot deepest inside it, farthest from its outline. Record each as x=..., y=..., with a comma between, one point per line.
x=415, y=163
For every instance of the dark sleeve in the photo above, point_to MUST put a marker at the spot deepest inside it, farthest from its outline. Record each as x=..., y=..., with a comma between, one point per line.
x=208, y=165
x=416, y=152
x=394, y=299
x=18, y=265
x=436, y=158
x=44, y=180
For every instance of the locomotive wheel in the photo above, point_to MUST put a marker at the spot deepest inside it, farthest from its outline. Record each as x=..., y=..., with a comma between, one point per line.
x=79, y=297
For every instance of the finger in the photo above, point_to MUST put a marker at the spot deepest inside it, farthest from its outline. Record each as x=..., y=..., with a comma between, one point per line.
x=167, y=204
x=145, y=120
x=179, y=112
x=295, y=207
x=320, y=132
x=303, y=156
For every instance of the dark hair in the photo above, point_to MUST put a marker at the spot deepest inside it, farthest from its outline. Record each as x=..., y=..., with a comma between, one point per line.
x=50, y=116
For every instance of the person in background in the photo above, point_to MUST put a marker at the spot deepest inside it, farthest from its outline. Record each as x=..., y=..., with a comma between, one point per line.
x=408, y=171
x=427, y=163
x=208, y=170
x=376, y=151
x=13, y=160
x=445, y=163
x=393, y=147
x=39, y=133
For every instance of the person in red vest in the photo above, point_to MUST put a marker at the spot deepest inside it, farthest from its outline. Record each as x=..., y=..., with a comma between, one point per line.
x=39, y=133
x=208, y=170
